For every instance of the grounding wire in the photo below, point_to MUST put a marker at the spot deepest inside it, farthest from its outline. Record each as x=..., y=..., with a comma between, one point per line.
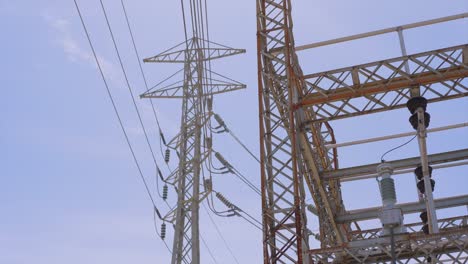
x=115, y=109
x=395, y=148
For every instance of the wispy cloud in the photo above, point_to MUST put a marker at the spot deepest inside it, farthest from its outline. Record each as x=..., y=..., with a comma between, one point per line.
x=73, y=49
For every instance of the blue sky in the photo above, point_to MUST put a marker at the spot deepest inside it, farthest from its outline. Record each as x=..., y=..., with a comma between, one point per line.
x=69, y=191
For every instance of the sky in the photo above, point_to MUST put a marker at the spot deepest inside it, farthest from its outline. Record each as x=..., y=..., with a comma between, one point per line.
x=69, y=190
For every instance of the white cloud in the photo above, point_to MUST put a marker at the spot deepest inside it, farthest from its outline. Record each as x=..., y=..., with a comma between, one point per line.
x=73, y=50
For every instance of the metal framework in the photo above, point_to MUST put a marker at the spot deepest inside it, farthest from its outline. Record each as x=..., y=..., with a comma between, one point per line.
x=297, y=160
x=196, y=89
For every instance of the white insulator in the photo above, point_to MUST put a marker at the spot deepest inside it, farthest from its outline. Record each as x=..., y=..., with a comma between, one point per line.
x=387, y=189
x=387, y=184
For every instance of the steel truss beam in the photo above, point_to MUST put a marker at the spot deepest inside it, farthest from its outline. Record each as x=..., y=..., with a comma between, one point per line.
x=368, y=246
x=289, y=163
x=368, y=171
x=406, y=208
x=384, y=85
x=294, y=131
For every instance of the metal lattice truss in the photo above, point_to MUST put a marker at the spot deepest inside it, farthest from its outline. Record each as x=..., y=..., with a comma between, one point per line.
x=210, y=50
x=289, y=162
x=294, y=131
x=213, y=83
x=385, y=85
x=449, y=245
x=195, y=87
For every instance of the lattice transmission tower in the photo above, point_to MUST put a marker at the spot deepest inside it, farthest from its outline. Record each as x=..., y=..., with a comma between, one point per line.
x=193, y=146
x=299, y=151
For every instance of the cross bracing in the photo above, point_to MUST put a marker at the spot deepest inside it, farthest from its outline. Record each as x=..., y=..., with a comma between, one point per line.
x=294, y=132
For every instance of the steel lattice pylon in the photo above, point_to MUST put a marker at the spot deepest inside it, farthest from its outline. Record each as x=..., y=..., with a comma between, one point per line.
x=295, y=158
x=196, y=89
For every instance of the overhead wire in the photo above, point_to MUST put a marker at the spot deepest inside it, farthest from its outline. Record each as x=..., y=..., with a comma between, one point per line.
x=221, y=235
x=161, y=134
x=109, y=93
x=156, y=211
x=119, y=119
x=130, y=89
x=209, y=250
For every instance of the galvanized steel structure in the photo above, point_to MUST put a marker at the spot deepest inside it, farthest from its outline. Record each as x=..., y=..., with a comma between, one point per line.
x=196, y=87
x=299, y=152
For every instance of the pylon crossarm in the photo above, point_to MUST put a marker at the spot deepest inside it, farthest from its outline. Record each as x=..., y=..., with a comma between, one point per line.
x=180, y=52
x=214, y=83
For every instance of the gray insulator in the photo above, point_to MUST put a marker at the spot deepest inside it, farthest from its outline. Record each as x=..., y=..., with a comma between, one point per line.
x=164, y=196
x=208, y=143
x=225, y=201
x=167, y=155
x=222, y=160
x=387, y=188
x=208, y=185
x=209, y=103
x=163, y=231
x=220, y=121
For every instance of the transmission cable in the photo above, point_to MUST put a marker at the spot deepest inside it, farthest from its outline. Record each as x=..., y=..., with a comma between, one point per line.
x=116, y=111
x=130, y=90
x=161, y=134
x=220, y=234
x=139, y=61
x=209, y=250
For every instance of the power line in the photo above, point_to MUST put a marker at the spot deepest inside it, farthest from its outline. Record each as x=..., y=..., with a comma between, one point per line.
x=115, y=109
x=141, y=69
x=129, y=87
x=220, y=235
x=209, y=250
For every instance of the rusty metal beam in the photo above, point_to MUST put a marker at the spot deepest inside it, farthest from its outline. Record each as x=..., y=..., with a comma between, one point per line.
x=361, y=172
x=406, y=208
x=423, y=78
x=385, y=85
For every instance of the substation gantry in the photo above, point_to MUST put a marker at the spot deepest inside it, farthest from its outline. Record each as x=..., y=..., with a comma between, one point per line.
x=299, y=152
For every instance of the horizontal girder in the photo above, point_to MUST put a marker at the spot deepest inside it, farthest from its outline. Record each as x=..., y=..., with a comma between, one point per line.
x=449, y=245
x=368, y=171
x=406, y=208
x=385, y=85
